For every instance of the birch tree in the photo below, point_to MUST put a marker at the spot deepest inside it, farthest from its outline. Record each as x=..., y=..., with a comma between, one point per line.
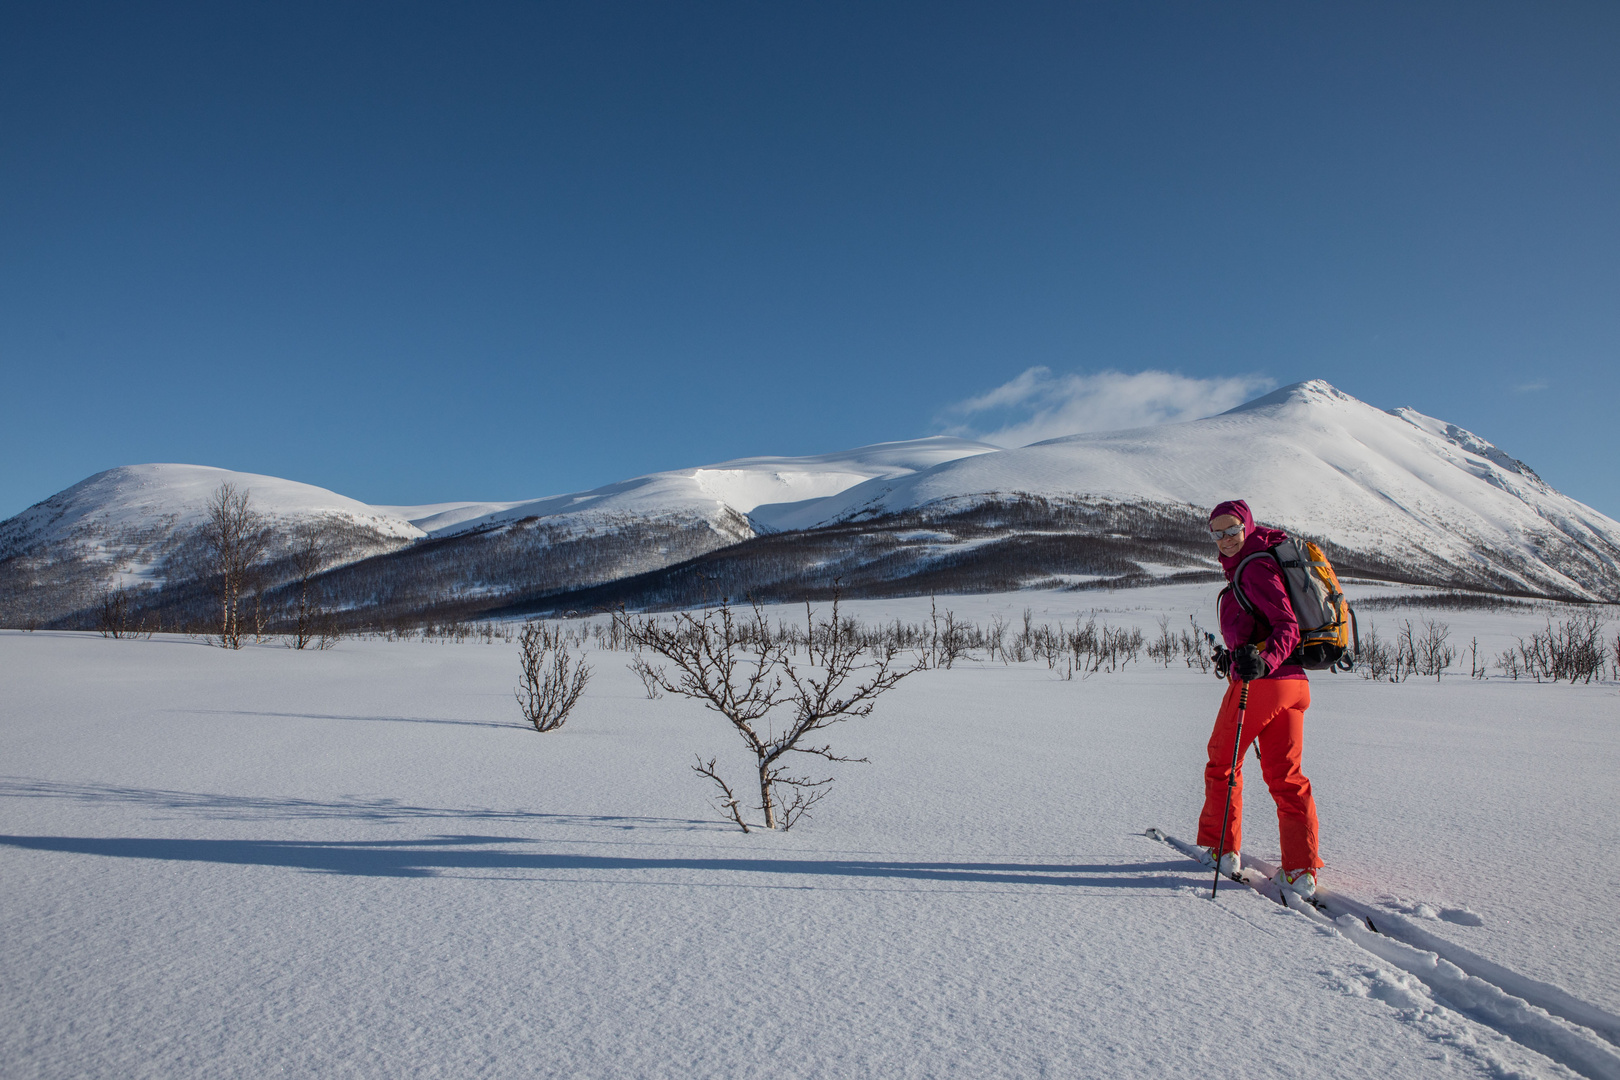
x=236, y=536
x=778, y=702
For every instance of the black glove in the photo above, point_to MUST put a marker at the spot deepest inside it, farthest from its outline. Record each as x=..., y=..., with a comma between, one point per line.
x=1248, y=665
x=1223, y=660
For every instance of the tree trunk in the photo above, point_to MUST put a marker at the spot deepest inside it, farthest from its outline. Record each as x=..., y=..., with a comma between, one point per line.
x=765, y=801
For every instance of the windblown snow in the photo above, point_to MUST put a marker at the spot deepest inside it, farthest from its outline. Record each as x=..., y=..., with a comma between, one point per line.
x=1307, y=457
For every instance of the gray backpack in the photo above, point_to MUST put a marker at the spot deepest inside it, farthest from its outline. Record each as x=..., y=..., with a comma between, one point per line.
x=1328, y=637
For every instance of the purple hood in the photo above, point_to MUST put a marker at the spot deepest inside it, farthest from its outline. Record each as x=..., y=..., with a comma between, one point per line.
x=1277, y=630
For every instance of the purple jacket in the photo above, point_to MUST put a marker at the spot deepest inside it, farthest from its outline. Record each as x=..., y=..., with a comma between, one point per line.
x=1276, y=631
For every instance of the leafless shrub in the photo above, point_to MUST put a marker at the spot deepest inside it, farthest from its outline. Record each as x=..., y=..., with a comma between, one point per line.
x=116, y=616
x=327, y=633
x=552, y=680
x=944, y=642
x=1571, y=649
x=1576, y=647
x=1163, y=647
x=1091, y=646
x=1193, y=645
x=753, y=677
x=1376, y=659
x=1047, y=644
x=996, y=638
x=1454, y=601
x=113, y=618
x=651, y=677
x=1431, y=653
x=1021, y=649
x=957, y=639
x=1405, y=652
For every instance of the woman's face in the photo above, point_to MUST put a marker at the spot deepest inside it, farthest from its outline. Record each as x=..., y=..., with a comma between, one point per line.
x=1228, y=545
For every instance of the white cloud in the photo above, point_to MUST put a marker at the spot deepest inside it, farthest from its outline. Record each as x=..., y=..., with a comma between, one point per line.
x=1040, y=405
x=1530, y=387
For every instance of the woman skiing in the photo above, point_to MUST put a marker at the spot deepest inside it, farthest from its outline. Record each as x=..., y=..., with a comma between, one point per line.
x=1257, y=653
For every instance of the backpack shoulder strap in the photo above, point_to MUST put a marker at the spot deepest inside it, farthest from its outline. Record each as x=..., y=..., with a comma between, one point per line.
x=1237, y=577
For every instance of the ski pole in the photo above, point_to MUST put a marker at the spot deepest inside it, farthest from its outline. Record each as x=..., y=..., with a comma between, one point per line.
x=1231, y=782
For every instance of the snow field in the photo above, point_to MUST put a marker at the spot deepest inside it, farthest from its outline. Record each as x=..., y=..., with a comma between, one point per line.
x=357, y=863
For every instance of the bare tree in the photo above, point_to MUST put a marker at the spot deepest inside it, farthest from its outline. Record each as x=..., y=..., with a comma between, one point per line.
x=553, y=679
x=1573, y=649
x=113, y=618
x=1406, y=657
x=1432, y=655
x=311, y=547
x=1163, y=647
x=236, y=537
x=772, y=700
x=1375, y=659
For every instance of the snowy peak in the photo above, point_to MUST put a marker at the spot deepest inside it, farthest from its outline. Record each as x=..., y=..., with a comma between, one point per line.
x=1311, y=393
x=175, y=497
x=1409, y=493
x=138, y=527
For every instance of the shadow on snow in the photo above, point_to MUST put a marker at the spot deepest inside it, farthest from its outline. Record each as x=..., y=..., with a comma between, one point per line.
x=259, y=807
x=429, y=857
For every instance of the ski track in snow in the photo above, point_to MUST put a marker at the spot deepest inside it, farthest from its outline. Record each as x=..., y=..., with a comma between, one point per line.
x=358, y=864
x=1550, y=1021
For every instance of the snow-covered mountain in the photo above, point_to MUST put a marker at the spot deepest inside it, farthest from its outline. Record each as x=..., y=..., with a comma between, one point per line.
x=140, y=498
x=1391, y=493
x=1397, y=487
x=136, y=526
x=755, y=488
x=133, y=525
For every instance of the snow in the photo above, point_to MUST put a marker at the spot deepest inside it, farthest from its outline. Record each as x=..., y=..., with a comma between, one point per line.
x=127, y=519
x=737, y=487
x=137, y=496
x=1308, y=457
x=1411, y=490
x=357, y=863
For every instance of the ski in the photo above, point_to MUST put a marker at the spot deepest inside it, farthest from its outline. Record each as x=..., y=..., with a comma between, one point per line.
x=1195, y=853
x=1322, y=906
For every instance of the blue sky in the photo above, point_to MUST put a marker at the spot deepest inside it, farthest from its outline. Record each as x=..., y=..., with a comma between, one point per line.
x=427, y=252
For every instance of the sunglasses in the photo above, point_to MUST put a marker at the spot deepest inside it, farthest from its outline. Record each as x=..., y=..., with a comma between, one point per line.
x=1222, y=534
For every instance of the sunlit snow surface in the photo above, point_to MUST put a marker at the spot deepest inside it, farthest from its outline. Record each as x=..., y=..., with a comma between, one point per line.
x=138, y=496
x=1308, y=457
x=741, y=486
x=357, y=864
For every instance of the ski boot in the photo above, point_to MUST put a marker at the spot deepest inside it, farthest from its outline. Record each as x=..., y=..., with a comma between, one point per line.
x=1302, y=883
x=1231, y=862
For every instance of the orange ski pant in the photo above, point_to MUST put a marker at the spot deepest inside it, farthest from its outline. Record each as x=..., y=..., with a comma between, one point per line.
x=1276, y=720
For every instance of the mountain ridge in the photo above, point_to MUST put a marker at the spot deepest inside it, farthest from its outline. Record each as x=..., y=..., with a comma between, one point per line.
x=1395, y=492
